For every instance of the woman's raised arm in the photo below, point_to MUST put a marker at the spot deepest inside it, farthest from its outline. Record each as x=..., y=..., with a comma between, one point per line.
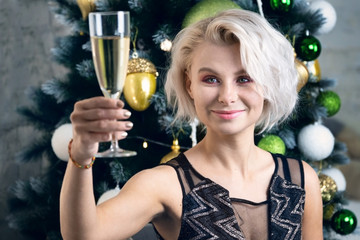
x=95, y=120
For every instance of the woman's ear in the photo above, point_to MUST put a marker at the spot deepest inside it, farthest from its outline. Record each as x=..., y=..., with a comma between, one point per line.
x=188, y=84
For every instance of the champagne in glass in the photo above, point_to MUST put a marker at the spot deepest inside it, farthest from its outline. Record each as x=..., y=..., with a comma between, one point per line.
x=110, y=45
x=110, y=63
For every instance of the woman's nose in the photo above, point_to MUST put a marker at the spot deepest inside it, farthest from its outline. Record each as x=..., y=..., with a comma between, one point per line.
x=227, y=94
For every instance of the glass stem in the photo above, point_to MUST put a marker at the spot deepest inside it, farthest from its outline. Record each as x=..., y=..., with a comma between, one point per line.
x=114, y=144
x=114, y=147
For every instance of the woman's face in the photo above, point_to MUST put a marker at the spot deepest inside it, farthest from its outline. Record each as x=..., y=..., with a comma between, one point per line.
x=226, y=99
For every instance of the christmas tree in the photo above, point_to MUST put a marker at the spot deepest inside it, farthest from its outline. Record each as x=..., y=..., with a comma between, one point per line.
x=34, y=203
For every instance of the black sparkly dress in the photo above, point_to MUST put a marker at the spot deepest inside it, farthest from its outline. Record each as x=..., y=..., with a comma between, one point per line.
x=209, y=212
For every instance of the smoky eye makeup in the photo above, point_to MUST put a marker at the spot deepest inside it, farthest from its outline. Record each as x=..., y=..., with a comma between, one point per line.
x=244, y=79
x=210, y=79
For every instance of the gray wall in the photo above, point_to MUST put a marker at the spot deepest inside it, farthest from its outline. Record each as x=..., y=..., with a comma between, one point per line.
x=340, y=60
x=27, y=32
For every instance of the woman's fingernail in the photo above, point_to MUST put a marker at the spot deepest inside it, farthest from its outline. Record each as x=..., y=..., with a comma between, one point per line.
x=127, y=114
x=124, y=134
x=129, y=125
x=120, y=103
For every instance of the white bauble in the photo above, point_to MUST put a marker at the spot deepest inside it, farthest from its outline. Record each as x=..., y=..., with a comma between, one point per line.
x=338, y=177
x=60, y=141
x=328, y=12
x=315, y=142
x=108, y=195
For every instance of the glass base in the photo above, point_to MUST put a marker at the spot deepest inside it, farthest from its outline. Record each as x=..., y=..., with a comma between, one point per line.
x=115, y=151
x=112, y=153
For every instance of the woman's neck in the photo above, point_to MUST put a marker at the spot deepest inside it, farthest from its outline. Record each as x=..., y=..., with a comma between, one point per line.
x=228, y=153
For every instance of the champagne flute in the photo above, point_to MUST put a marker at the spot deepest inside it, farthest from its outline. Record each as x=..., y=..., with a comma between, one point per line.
x=110, y=45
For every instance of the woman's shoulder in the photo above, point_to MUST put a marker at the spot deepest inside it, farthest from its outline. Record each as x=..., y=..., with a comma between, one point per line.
x=159, y=174
x=290, y=168
x=160, y=182
x=311, y=177
x=306, y=172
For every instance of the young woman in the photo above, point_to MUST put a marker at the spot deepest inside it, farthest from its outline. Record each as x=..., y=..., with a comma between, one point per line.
x=236, y=74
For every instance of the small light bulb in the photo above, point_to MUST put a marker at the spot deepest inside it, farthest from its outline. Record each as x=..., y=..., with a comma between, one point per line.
x=166, y=45
x=145, y=144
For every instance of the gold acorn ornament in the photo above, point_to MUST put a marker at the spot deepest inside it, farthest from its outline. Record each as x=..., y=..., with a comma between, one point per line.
x=175, y=150
x=140, y=83
x=86, y=6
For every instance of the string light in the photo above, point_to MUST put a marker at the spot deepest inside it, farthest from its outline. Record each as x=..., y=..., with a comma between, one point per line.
x=154, y=142
x=166, y=45
x=145, y=144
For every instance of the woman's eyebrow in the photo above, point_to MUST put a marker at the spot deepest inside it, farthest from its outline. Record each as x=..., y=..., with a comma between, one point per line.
x=207, y=69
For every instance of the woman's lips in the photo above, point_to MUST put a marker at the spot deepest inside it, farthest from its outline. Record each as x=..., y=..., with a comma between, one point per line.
x=228, y=115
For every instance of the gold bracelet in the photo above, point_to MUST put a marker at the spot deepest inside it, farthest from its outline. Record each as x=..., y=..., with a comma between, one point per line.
x=75, y=162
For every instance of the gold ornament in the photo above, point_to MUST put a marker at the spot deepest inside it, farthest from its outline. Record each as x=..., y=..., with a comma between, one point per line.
x=328, y=211
x=314, y=69
x=140, y=83
x=303, y=74
x=86, y=6
x=174, y=153
x=328, y=188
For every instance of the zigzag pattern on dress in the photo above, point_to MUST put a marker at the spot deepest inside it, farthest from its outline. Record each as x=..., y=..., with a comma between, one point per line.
x=285, y=214
x=209, y=214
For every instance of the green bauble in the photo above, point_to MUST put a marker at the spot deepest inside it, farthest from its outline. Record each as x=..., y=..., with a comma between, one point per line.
x=331, y=101
x=273, y=144
x=307, y=48
x=344, y=222
x=281, y=5
x=207, y=8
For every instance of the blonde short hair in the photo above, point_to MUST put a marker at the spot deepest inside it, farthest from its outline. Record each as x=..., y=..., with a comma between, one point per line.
x=266, y=55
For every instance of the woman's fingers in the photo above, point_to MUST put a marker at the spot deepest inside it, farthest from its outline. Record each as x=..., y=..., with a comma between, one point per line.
x=102, y=113
x=106, y=137
x=103, y=126
x=99, y=102
x=99, y=108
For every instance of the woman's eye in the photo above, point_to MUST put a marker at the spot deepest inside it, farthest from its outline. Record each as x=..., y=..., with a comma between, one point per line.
x=211, y=80
x=244, y=80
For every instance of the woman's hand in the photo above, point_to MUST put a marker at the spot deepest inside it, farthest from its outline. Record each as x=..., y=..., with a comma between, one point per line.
x=95, y=120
